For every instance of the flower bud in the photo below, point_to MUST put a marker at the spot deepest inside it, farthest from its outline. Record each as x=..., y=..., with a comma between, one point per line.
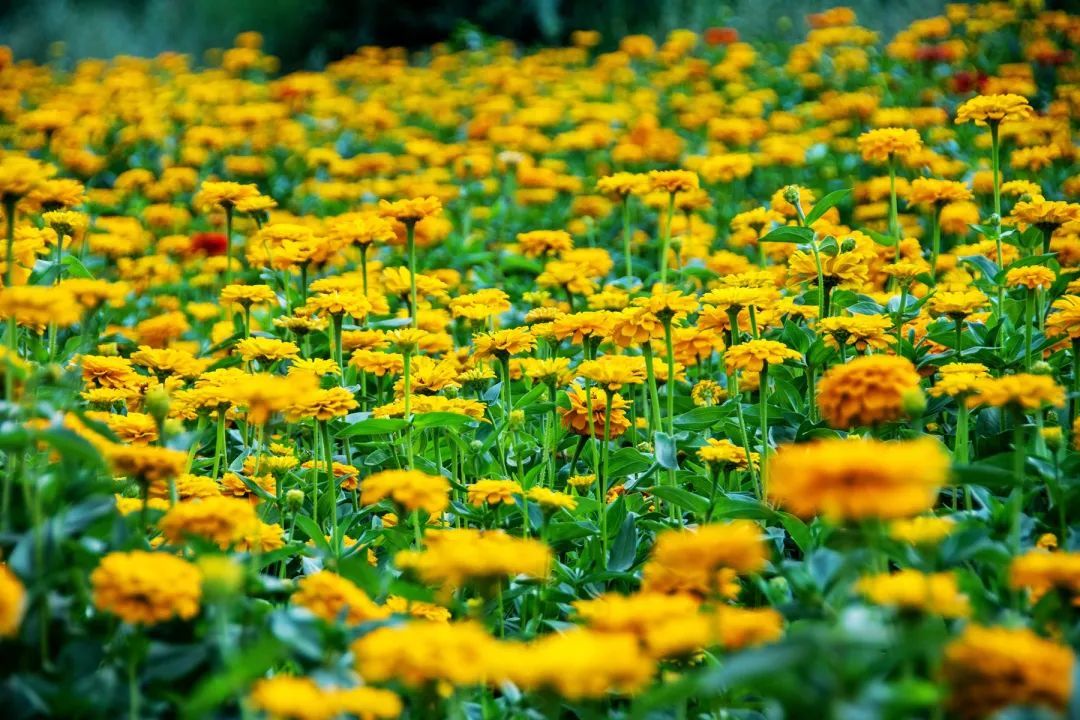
x=848, y=245
x=517, y=419
x=221, y=577
x=156, y=403
x=791, y=194
x=1041, y=367
x=913, y=402
x=294, y=499
x=1052, y=436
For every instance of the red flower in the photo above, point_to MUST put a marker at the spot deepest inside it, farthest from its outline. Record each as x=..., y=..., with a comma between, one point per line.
x=210, y=243
x=967, y=81
x=721, y=36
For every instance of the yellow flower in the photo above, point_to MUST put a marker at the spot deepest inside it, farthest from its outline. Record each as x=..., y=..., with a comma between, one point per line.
x=577, y=664
x=694, y=561
x=911, y=590
x=410, y=489
x=333, y=598
x=339, y=304
x=1040, y=571
x=551, y=499
x=635, y=326
x=223, y=194
x=410, y=210
x=930, y=192
x=501, y=344
x=1022, y=391
x=544, y=242
x=146, y=588
x=147, y=465
x=673, y=181
x=922, y=530
x=322, y=405
x=988, y=669
x=12, y=602
x=266, y=349
x=857, y=479
x=492, y=492
x=993, y=109
x=883, y=144
x=221, y=520
x=576, y=418
x=613, y=371
x=726, y=454
x=1032, y=277
x=867, y=390
x=754, y=354
x=19, y=176
x=422, y=653
x=623, y=184
x=37, y=306
x=452, y=558
x=1064, y=318
x=247, y=295
x=858, y=331
x=292, y=698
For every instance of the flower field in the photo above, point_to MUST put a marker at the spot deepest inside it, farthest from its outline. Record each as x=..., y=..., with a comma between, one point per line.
x=699, y=378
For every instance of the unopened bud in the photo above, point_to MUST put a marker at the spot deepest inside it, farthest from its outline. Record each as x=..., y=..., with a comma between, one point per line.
x=1052, y=436
x=294, y=500
x=913, y=403
x=517, y=419
x=848, y=245
x=1041, y=367
x=109, y=349
x=222, y=577
x=791, y=194
x=156, y=403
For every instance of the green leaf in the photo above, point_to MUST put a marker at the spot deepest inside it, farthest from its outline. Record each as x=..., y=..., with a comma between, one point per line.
x=443, y=420
x=789, y=234
x=530, y=397
x=624, y=549
x=823, y=205
x=879, y=238
x=372, y=426
x=75, y=268
x=628, y=461
x=682, y=498
x=700, y=418
x=666, y=454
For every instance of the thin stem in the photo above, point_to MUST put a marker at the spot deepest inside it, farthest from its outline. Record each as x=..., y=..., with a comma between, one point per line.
x=228, y=243
x=410, y=248
x=666, y=245
x=763, y=396
x=629, y=258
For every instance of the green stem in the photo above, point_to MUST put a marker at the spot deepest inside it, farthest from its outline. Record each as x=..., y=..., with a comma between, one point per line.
x=666, y=245
x=407, y=356
x=763, y=397
x=228, y=243
x=894, y=221
x=410, y=248
x=629, y=258
x=654, y=393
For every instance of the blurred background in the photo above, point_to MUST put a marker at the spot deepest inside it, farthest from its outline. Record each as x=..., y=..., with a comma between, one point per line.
x=307, y=33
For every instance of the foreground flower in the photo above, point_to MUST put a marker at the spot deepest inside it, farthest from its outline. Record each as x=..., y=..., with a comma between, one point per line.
x=866, y=391
x=859, y=479
x=990, y=668
x=984, y=109
x=12, y=602
x=145, y=588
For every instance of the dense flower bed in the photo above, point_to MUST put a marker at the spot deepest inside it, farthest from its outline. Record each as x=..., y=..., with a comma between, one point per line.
x=701, y=379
